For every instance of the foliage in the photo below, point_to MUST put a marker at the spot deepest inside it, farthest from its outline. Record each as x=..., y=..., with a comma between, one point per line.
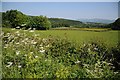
x=39, y=22
x=59, y=22
x=35, y=57
x=115, y=25
x=13, y=18
x=17, y=19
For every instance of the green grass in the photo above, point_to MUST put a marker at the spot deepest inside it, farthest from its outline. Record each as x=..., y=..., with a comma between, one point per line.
x=40, y=54
x=110, y=38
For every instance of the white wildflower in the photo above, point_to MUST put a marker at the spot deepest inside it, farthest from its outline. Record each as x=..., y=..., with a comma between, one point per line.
x=29, y=28
x=2, y=33
x=34, y=28
x=17, y=43
x=113, y=67
x=110, y=64
x=26, y=39
x=23, y=41
x=115, y=72
x=86, y=65
x=41, y=47
x=44, y=40
x=23, y=24
x=84, y=44
x=8, y=33
x=89, y=49
x=48, y=46
x=77, y=62
x=31, y=52
x=17, y=52
x=19, y=66
x=42, y=51
x=31, y=31
x=95, y=48
x=17, y=32
x=34, y=42
x=36, y=56
x=5, y=47
x=9, y=64
x=13, y=29
x=18, y=27
x=45, y=59
x=25, y=55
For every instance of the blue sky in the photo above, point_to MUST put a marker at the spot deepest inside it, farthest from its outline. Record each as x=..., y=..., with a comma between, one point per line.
x=70, y=10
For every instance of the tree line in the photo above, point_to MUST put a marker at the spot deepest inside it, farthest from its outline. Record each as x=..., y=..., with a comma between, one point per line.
x=15, y=18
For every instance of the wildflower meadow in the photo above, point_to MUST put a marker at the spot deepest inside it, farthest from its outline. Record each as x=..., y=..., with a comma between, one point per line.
x=33, y=56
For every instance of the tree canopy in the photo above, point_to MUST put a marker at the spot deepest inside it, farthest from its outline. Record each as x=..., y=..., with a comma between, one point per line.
x=14, y=18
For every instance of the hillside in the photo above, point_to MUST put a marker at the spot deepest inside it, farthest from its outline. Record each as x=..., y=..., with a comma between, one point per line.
x=14, y=18
x=95, y=20
x=60, y=22
x=115, y=25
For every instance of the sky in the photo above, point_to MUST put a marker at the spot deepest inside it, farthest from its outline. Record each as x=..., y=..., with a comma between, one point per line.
x=60, y=0
x=69, y=10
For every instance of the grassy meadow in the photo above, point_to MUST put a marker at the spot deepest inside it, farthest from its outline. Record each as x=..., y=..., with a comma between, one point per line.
x=60, y=53
x=76, y=35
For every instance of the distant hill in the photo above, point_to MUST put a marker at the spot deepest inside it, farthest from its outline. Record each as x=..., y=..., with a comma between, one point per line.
x=106, y=21
x=115, y=25
x=60, y=22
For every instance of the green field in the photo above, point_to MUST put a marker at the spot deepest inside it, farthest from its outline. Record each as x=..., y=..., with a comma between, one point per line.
x=54, y=54
x=79, y=36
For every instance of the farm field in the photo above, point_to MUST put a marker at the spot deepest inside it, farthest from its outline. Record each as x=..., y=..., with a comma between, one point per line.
x=78, y=36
